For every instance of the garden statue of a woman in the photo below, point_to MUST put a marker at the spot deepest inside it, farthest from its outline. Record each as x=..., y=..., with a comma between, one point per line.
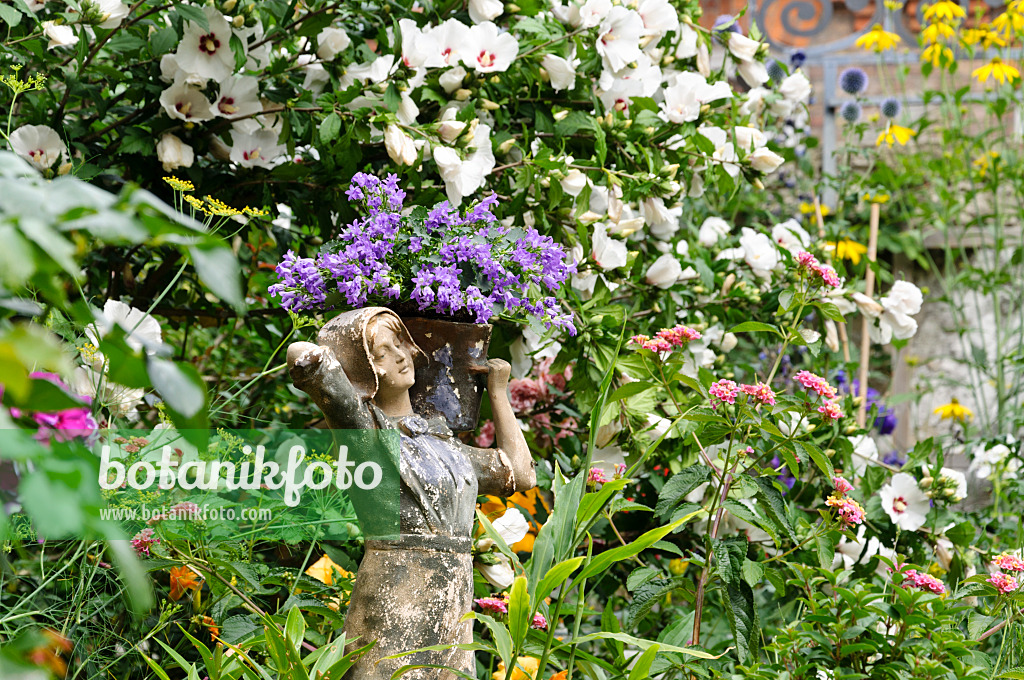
x=411, y=592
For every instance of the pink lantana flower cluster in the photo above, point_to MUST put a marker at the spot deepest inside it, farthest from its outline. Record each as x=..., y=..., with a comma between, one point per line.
x=143, y=541
x=666, y=339
x=1008, y=562
x=1004, y=583
x=539, y=622
x=725, y=391
x=492, y=605
x=848, y=511
x=818, y=385
x=761, y=392
x=596, y=476
x=824, y=272
x=912, y=578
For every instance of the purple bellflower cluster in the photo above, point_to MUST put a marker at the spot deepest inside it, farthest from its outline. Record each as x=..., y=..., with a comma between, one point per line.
x=440, y=260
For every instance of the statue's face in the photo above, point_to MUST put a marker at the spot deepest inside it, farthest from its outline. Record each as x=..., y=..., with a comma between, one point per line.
x=392, y=360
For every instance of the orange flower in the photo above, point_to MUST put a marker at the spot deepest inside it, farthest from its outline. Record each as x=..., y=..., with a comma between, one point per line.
x=560, y=675
x=182, y=579
x=211, y=626
x=323, y=571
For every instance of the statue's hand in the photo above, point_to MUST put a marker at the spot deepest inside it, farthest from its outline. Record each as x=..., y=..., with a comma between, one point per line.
x=498, y=372
x=303, y=359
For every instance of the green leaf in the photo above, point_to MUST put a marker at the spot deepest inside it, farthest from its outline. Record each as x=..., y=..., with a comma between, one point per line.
x=179, y=385
x=499, y=634
x=809, y=450
x=194, y=14
x=742, y=617
x=330, y=128
x=556, y=576
x=163, y=40
x=631, y=390
x=826, y=547
x=755, y=327
x=295, y=627
x=217, y=268
x=679, y=485
x=10, y=16
x=600, y=563
x=775, y=505
x=752, y=572
x=555, y=536
x=238, y=49
x=642, y=667
x=637, y=642
x=519, y=612
x=830, y=311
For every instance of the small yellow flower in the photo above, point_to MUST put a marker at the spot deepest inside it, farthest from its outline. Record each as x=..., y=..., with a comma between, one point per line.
x=197, y=204
x=894, y=5
x=808, y=209
x=944, y=9
x=847, y=249
x=880, y=197
x=526, y=668
x=938, y=55
x=983, y=35
x=324, y=569
x=1009, y=22
x=878, y=39
x=954, y=410
x=998, y=70
x=678, y=566
x=179, y=184
x=933, y=33
x=895, y=134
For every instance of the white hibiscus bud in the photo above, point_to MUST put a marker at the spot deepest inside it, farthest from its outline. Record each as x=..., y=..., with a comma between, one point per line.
x=450, y=130
x=451, y=80
x=831, y=335
x=511, y=526
x=573, y=182
x=330, y=42
x=796, y=88
x=742, y=47
x=712, y=231
x=400, y=146
x=485, y=10
x=499, y=575
x=561, y=72
x=59, y=35
x=728, y=343
x=765, y=160
x=174, y=153
x=665, y=272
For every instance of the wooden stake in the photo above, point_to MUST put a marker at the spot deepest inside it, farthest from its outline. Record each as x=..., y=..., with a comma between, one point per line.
x=865, y=339
x=844, y=339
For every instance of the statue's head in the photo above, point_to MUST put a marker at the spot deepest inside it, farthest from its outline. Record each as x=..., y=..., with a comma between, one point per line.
x=375, y=349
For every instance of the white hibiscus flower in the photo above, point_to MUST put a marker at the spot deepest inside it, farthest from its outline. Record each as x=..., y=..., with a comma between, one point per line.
x=905, y=503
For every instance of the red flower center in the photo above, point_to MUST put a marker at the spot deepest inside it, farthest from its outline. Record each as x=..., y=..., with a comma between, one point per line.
x=209, y=43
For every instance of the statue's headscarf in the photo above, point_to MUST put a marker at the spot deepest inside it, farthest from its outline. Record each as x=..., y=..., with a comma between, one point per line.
x=346, y=335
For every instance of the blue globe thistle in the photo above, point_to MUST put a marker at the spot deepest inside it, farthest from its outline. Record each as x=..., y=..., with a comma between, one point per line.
x=853, y=80
x=850, y=112
x=775, y=71
x=891, y=107
x=726, y=23
x=797, y=58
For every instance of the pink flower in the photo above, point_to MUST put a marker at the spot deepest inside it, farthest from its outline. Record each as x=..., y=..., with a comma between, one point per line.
x=843, y=487
x=761, y=392
x=805, y=259
x=556, y=380
x=831, y=409
x=1004, y=583
x=486, y=437
x=725, y=391
x=539, y=622
x=828, y=275
x=185, y=510
x=492, y=605
x=620, y=469
x=143, y=541
x=524, y=394
x=914, y=579
x=1008, y=562
x=667, y=339
x=596, y=476
x=816, y=384
x=848, y=511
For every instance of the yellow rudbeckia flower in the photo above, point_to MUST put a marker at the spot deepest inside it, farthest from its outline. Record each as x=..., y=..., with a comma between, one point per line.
x=526, y=668
x=1009, y=22
x=936, y=54
x=997, y=69
x=878, y=39
x=847, y=249
x=937, y=31
x=895, y=134
x=954, y=410
x=944, y=9
x=808, y=209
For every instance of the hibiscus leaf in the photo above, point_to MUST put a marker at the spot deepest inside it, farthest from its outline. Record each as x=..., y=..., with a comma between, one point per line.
x=194, y=14
x=755, y=327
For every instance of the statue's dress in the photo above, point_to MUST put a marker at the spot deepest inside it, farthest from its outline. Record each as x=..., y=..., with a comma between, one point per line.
x=411, y=591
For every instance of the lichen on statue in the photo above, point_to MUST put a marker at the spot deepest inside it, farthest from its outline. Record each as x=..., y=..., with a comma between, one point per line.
x=413, y=588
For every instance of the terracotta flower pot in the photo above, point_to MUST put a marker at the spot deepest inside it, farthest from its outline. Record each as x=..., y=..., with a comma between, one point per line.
x=453, y=382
